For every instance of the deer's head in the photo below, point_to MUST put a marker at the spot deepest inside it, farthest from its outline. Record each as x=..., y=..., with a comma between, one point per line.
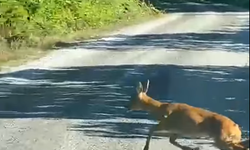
x=137, y=101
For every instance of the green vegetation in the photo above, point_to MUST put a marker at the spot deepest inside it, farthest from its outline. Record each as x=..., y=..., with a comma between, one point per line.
x=30, y=26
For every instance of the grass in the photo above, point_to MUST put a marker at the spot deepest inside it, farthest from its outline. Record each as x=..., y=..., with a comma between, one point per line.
x=30, y=28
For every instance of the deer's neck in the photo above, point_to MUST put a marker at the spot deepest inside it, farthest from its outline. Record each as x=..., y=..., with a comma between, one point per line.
x=151, y=105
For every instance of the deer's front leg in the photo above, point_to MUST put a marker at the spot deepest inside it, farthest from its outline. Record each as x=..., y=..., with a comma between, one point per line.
x=159, y=127
x=150, y=134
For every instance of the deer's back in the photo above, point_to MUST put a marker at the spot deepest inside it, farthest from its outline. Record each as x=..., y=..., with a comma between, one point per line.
x=194, y=121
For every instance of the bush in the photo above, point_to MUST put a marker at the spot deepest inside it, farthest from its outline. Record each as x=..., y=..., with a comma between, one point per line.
x=30, y=21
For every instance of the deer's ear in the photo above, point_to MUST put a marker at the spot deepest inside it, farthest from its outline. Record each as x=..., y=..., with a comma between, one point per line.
x=139, y=88
x=146, y=90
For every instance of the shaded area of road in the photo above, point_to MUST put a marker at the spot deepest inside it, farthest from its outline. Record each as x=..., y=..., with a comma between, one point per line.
x=183, y=41
x=96, y=93
x=86, y=104
x=179, y=6
x=232, y=37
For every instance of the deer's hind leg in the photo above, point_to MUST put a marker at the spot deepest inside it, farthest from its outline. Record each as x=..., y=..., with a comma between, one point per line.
x=224, y=144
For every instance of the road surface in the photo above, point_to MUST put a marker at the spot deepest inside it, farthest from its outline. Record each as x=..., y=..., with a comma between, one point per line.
x=74, y=98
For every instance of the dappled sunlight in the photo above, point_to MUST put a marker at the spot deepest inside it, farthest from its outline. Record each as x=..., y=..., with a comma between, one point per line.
x=98, y=95
x=231, y=38
x=179, y=6
x=114, y=128
x=77, y=97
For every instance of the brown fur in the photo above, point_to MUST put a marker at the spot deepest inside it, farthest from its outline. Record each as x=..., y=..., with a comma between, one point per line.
x=189, y=121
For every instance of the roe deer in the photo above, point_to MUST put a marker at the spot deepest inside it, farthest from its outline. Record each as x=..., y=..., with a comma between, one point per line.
x=183, y=120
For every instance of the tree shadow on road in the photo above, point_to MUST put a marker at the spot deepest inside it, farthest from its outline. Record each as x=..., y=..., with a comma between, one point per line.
x=97, y=96
x=233, y=37
x=225, y=39
x=193, y=6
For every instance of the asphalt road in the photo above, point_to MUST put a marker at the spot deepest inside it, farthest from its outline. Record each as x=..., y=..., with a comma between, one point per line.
x=74, y=98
